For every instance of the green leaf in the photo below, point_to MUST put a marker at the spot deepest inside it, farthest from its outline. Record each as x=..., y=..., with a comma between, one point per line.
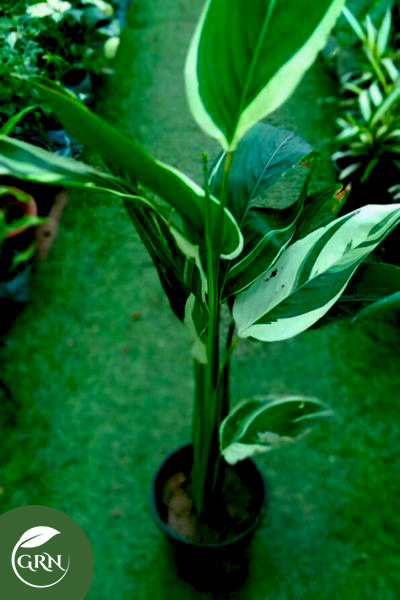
x=384, y=33
x=354, y=24
x=383, y=308
x=262, y=157
x=24, y=256
x=266, y=233
x=264, y=424
x=31, y=163
x=195, y=320
x=311, y=274
x=371, y=284
x=155, y=233
x=320, y=208
x=2, y=227
x=267, y=220
x=245, y=60
x=13, y=121
x=24, y=222
x=127, y=159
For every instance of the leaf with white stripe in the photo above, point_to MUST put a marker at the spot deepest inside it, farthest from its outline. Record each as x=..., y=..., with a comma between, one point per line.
x=311, y=274
x=267, y=423
x=266, y=233
x=246, y=59
x=130, y=162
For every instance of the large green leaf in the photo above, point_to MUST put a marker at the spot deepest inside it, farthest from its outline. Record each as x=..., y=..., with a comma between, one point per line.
x=311, y=274
x=262, y=157
x=127, y=159
x=245, y=59
x=263, y=424
x=267, y=220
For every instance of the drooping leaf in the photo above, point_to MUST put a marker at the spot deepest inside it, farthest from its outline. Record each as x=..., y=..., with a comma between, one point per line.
x=370, y=285
x=245, y=60
x=37, y=536
x=262, y=157
x=381, y=308
x=13, y=121
x=264, y=424
x=166, y=256
x=127, y=159
x=266, y=233
x=311, y=274
x=31, y=163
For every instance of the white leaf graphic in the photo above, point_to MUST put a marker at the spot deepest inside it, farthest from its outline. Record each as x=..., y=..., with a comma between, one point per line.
x=36, y=537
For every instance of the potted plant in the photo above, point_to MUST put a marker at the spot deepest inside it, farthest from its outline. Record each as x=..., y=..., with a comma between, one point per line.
x=18, y=220
x=233, y=263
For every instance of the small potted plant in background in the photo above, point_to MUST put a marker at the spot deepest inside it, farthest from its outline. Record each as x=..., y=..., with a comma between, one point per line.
x=232, y=262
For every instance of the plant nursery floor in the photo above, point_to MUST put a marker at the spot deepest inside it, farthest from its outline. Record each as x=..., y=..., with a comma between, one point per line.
x=101, y=382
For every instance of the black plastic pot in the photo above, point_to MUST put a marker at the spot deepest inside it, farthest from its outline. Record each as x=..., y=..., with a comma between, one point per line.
x=212, y=567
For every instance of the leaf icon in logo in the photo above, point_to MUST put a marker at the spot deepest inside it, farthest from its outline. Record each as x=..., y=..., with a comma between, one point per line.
x=37, y=536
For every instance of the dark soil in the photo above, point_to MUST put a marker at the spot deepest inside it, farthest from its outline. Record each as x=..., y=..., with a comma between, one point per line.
x=229, y=519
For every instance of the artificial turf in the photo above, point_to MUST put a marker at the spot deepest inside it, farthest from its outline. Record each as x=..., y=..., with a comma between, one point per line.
x=101, y=385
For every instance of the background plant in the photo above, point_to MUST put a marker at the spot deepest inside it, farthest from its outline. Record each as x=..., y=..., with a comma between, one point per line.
x=370, y=85
x=49, y=38
x=277, y=270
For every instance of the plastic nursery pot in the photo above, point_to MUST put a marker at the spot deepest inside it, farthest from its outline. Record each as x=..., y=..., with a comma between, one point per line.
x=210, y=567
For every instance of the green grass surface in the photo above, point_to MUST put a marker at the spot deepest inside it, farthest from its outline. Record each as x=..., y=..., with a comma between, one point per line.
x=100, y=374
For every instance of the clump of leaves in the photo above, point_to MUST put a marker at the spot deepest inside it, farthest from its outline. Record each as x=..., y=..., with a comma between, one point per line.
x=370, y=124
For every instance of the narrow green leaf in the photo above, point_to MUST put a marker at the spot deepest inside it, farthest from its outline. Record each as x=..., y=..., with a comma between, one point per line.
x=24, y=222
x=267, y=423
x=311, y=274
x=245, y=61
x=386, y=105
x=354, y=24
x=384, y=33
x=154, y=231
x=127, y=159
x=195, y=321
x=23, y=257
x=13, y=121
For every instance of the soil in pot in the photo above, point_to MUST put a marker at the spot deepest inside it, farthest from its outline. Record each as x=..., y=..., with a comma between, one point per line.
x=212, y=555
x=231, y=517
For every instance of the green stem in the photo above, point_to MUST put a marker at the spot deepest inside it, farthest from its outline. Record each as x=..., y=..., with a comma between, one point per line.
x=208, y=397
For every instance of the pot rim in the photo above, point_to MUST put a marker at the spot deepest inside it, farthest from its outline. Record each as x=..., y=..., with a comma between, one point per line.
x=254, y=524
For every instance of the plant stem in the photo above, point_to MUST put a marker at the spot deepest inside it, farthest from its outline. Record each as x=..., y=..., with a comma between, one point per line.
x=211, y=398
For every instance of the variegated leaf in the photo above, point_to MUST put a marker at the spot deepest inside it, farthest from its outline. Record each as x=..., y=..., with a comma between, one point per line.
x=128, y=160
x=266, y=234
x=311, y=274
x=246, y=59
x=267, y=423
